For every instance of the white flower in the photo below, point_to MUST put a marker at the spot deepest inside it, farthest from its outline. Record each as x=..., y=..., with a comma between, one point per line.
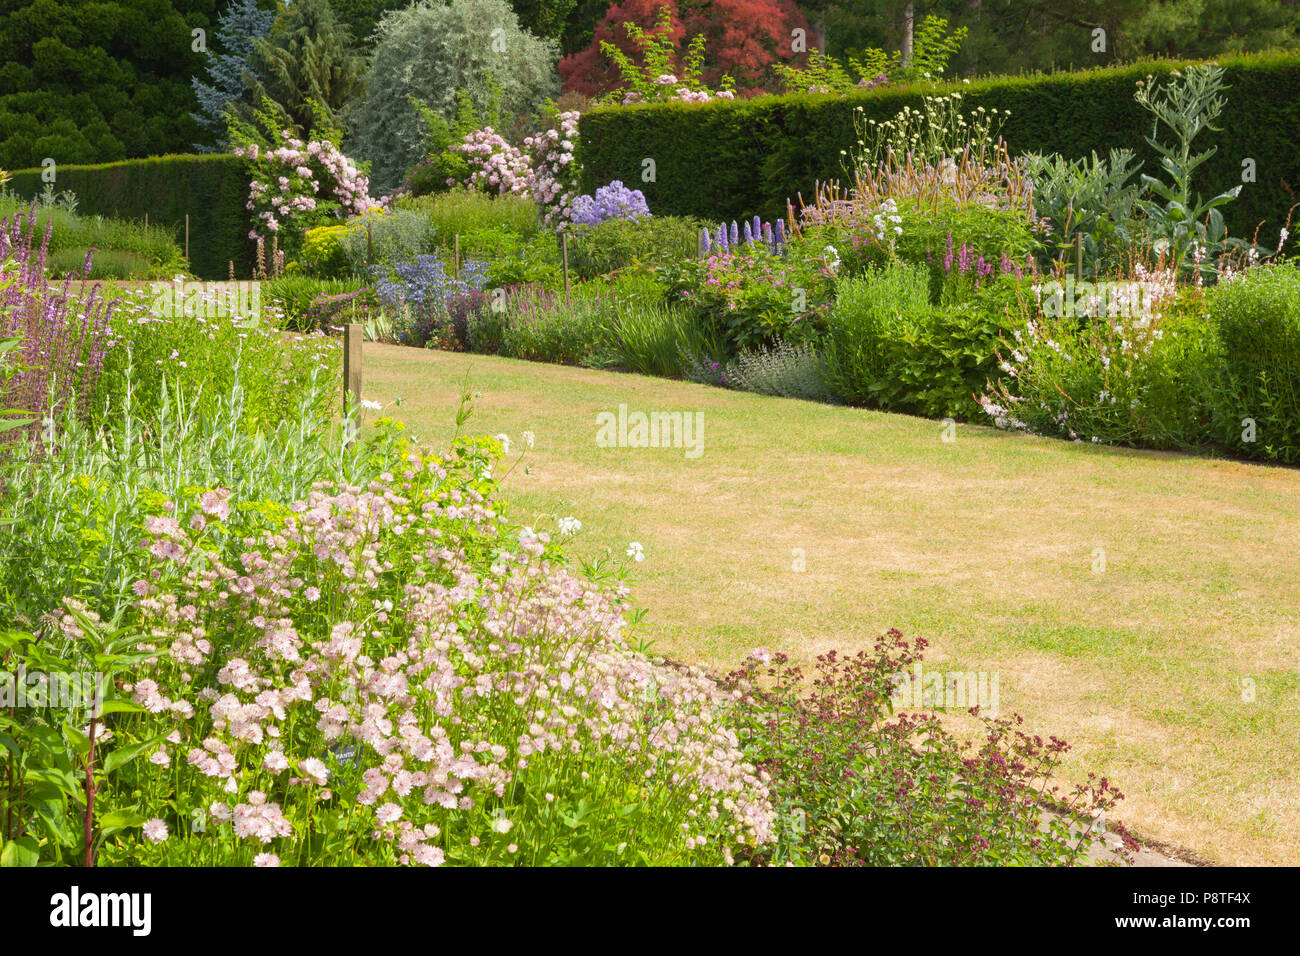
x=502, y=825
x=528, y=439
x=373, y=406
x=505, y=442
x=570, y=525
x=635, y=551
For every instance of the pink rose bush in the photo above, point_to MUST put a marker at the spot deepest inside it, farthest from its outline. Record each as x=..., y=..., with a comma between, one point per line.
x=450, y=682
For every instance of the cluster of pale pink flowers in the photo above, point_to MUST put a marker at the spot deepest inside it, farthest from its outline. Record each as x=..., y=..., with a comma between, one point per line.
x=502, y=168
x=297, y=174
x=553, y=174
x=545, y=170
x=440, y=683
x=682, y=94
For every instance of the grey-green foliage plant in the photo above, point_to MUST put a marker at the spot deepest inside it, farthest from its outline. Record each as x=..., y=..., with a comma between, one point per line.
x=790, y=371
x=381, y=240
x=431, y=52
x=1178, y=218
x=1093, y=198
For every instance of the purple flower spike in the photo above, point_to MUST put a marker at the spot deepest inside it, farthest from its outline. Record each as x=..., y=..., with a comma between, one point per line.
x=758, y=227
x=779, y=236
x=705, y=241
x=749, y=233
x=735, y=233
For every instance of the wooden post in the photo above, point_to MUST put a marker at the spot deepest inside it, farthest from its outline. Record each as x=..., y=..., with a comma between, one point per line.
x=370, y=247
x=455, y=258
x=564, y=255
x=1078, y=257
x=187, y=237
x=146, y=220
x=352, y=336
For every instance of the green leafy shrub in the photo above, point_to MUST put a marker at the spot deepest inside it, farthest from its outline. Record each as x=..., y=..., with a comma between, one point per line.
x=941, y=365
x=513, y=260
x=1257, y=317
x=871, y=313
x=753, y=296
x=618, y=243
x=463, y=211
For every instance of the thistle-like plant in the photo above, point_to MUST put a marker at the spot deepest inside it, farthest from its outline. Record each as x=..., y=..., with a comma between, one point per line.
x=1181, y=221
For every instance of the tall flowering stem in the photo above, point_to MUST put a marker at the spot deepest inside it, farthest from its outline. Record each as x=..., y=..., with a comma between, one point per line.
x=63, y=334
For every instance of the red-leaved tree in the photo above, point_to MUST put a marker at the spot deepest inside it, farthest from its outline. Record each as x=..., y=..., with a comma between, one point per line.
x=744, y=38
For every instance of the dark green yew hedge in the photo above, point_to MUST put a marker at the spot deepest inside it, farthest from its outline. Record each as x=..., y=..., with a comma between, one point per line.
x=729, y=160
x=212, y=189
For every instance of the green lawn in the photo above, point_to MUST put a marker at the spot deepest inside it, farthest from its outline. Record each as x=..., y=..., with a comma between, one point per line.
x=1174, y=670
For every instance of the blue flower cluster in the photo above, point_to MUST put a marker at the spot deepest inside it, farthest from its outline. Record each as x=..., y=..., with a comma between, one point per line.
x=423, y=283
x=614, y=201
x=755, y=231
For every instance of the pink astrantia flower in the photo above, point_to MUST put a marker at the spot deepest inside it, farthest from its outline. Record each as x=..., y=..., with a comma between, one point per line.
x=155, y=830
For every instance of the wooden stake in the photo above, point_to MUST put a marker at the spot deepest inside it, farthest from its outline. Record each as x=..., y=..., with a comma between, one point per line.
x=370, y=247
x=353, y=333
x=564, y=255
x=1078, y=257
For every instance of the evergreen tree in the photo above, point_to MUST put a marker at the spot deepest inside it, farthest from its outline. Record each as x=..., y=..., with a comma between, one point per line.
x=307, y=68
x=242, y=22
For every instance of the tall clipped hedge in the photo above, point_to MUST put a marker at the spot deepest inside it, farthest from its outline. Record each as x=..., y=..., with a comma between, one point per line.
x=729, y=160
x=212, y=189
